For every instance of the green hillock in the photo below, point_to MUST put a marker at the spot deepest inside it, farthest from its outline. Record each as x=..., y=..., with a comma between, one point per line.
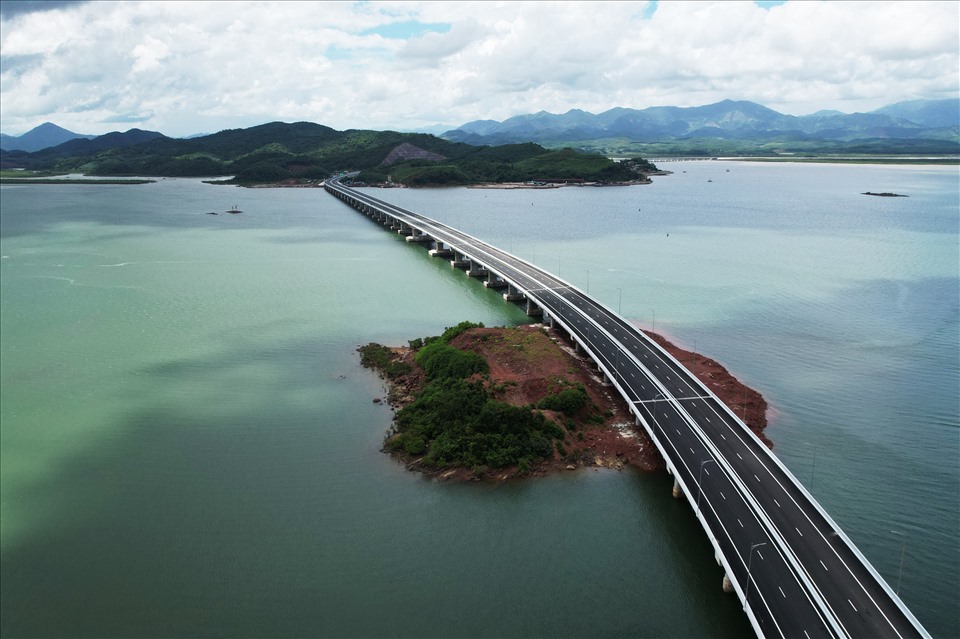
x=307, y=153
x=455, y=422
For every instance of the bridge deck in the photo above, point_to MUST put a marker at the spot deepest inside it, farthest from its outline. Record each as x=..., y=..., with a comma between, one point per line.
x=795, y=571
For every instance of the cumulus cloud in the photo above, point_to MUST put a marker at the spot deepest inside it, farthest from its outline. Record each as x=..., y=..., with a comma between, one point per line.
x=186, y=67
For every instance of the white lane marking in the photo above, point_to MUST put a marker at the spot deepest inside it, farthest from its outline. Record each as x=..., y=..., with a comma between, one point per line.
x=781, y=592
x=777, y=503
x=852, y=606
x=805, y=632
x=722, y=495
x=755, y=477
x=738, y=455
x=724, y=437
x=759, y=555
x=824, y=565
x=798, y=531
x=740, y=522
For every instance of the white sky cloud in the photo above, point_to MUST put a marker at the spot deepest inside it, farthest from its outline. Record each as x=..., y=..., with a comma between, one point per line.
x=189, y=67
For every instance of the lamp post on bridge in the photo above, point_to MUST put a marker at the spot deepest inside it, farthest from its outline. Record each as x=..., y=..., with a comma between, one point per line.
x=700, y=482
x=656, y=423
x=746, y=596
x=813, y=471
x=588, y=279
x=903, y=548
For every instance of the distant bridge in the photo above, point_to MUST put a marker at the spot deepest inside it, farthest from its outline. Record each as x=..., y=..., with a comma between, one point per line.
x=681, y=159
x=795, y=572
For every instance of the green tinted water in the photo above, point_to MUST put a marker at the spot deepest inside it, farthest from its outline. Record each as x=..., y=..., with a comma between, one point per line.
x=189, y=446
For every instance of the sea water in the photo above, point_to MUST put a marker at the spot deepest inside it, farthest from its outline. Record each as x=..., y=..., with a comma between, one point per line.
x=190, y=447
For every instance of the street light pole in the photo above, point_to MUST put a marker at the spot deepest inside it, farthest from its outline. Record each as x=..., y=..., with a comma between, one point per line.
x=620, y=302
x=903, y=547
x=700, y=482
x=746, y=596
x=813, y=471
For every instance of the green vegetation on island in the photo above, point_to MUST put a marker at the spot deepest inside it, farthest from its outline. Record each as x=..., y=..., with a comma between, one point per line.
x=456, y=420
x=305, y=153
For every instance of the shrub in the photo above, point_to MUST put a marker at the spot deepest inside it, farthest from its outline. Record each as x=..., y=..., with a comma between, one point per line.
x=462, y=327
x=569, y=401
x=440, y=360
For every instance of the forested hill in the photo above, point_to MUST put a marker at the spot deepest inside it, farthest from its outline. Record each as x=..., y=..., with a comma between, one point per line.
x=304, y=151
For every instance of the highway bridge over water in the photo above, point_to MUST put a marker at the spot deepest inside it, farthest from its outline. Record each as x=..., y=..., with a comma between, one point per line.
x=795, y=572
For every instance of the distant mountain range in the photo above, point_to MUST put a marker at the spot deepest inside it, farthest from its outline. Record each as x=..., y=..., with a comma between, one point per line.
x=41, y=137
x=921, y=125
x=305, y=153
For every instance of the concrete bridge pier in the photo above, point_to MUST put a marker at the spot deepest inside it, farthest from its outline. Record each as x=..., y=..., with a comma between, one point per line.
x=419, y=236
x=494, y=281
x=476, y=269
x=459, y=260
x=440, y=251
x=513, y=294
x=405, y=229
x=677, y=490
x=727, y=584
x=532, y=309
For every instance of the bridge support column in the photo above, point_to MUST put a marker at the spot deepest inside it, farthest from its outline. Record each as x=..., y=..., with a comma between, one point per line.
x=440, y=251
x=494, y=281
x=459, y=260
x=513, y=294
x=418, y=236
x=677, y=491
x=532, y=309
x=475, y=269
x=727, y=584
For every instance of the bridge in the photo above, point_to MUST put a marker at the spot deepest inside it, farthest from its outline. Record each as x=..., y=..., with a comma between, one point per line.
x=794, y=570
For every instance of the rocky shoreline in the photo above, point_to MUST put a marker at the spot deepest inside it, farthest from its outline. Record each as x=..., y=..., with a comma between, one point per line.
x=526, y=361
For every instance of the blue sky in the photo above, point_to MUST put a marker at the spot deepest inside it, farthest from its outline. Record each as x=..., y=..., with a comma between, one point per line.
x=189, y=67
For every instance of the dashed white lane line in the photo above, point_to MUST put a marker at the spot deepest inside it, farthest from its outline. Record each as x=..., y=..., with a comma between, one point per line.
x=722, y=495
x=852, y=606
x=777, y=503
x=824, y=565
x=738, y=455
x=798, y=531
x=739, y=522
x=755, y=477
x=781, y=592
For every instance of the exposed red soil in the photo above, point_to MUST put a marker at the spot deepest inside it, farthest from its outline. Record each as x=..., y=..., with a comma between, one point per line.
x=530, y=362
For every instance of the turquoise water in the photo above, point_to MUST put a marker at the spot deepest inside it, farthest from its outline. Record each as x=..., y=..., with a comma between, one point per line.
x=189, y=446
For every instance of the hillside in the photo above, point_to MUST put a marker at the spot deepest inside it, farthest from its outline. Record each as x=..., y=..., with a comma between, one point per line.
x=41, y=137
x=306, y=153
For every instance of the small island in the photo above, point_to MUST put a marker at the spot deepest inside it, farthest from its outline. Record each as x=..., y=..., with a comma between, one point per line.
x=884, y=194
x=495, y=403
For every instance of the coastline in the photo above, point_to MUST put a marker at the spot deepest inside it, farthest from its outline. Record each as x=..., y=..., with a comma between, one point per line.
x=613, y=442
